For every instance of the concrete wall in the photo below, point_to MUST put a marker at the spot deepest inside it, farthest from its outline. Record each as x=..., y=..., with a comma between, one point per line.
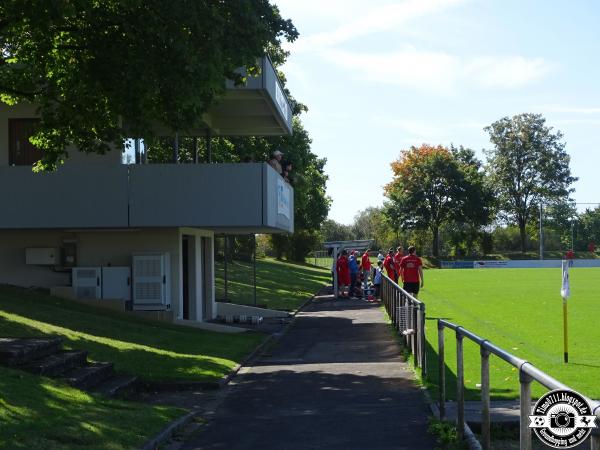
x=113, y=247
x=103, y=248
x=205, y=195
x=71, y=197
x=13, y=269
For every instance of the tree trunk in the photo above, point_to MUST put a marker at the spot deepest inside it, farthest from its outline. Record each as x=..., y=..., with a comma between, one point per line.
x=522, y=224
x=436, y=240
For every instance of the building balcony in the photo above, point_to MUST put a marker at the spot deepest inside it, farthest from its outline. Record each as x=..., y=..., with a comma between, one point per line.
x=258, y=108
x=226, y=198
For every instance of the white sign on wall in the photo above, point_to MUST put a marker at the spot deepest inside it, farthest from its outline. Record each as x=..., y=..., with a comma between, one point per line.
x=281, y=101
x=283, y=198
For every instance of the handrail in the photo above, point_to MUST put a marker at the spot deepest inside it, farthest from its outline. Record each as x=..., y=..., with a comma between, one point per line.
x=407, y=315
x=527, y=373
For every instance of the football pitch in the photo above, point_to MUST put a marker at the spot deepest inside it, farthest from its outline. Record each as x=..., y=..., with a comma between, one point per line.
x=520, y=310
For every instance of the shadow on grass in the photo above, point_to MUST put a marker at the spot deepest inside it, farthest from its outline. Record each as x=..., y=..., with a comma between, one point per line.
x=40, y=413
x=154, y=350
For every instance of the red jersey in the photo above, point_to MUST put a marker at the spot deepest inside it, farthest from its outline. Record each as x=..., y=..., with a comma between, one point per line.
x=343, y=271
x=410, y=268
x=388, y=263
x=398, y=259
x=570, y=254
x=365, y=261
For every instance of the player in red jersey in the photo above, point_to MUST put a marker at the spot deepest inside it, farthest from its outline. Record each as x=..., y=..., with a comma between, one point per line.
x=411, y=271
x=390, y=267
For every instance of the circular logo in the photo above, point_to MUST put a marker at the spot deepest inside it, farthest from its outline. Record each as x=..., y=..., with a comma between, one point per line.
x=562, y=419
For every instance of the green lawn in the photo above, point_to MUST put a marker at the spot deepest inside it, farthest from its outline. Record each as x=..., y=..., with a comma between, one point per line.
x=40, y=413
x=279, y=285
x=521, y=311
x=151, y=349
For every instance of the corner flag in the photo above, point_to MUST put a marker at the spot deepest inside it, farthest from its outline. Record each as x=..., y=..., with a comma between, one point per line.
x=565, y=292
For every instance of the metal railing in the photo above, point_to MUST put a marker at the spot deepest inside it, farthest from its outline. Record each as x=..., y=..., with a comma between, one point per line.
x=408, y=319
x=527, y=373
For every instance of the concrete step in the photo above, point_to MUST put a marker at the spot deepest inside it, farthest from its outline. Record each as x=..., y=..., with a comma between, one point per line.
x=88, y=376
x=56, y=363
x=117, y=385
x=15, y=351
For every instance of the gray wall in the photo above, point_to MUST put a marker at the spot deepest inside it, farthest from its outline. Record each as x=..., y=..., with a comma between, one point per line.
x=71, y=197
x=210, y=196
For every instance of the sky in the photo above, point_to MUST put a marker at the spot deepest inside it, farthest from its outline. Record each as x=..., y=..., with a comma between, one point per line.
x=380, y=76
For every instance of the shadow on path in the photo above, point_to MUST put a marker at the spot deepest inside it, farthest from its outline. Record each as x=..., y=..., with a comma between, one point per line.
x=335, y=381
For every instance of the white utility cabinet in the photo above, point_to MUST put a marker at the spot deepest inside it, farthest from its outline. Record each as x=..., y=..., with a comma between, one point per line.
x=116, y=283
x=151, y=281
x=87, y=282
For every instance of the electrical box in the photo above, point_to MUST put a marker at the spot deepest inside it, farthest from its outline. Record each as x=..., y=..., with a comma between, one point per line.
x=151, y=281
x=42, y=256
x=87, y=282
x=68, y=253
x=116, y=283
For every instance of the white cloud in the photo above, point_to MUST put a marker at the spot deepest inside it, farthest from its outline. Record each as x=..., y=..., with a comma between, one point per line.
x=366, y=21
x=439, y=72
x=507, y=71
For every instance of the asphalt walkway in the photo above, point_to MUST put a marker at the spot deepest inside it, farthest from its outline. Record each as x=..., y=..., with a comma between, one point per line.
x=334, y=381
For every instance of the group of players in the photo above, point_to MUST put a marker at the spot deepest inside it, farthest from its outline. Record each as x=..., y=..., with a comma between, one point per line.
x=353, y=275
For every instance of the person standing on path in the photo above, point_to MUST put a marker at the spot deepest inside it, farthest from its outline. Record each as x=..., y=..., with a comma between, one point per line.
x=365, y=263
x=377, y=278
x=397, y=260
x=411, y=271
x=390, y=268
x=353, y=266
x=343, y=273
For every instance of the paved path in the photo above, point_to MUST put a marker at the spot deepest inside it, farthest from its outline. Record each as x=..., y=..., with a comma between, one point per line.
x=334, y=381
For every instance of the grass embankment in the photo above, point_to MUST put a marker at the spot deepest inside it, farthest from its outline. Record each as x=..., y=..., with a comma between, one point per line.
x=153, y=350
x=37, y=412
x=40, y=413
x=519, y=310
x=279, y=284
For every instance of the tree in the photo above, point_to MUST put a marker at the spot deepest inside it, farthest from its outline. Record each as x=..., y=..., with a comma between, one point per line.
x=528, y=166
x=433, y=186
x=102, y=71
x=335, y=231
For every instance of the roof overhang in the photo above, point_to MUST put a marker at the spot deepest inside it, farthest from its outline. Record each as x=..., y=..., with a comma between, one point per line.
x=260, y=107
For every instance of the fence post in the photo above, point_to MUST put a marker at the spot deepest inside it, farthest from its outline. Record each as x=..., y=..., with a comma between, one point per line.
x=415, y=343
x=485, y=399
x=423, y=343
x=460, y=386
x=441, y=371
x=525, y=406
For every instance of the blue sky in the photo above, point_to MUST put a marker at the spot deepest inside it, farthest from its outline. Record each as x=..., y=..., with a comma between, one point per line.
x=380, y=76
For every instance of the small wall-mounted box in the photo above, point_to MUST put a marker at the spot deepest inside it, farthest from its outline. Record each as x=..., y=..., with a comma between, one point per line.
x=42, y=256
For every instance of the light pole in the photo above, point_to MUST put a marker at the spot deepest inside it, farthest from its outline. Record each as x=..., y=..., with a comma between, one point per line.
x=541, y=232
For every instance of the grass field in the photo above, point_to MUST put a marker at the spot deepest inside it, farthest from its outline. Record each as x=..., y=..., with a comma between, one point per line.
x=521, y=311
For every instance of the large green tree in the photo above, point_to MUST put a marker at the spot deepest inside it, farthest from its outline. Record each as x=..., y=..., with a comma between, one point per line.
x=433, y=186
x=528, y=166
x=104, y=70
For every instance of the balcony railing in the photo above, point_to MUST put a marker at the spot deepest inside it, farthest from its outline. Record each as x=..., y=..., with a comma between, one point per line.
x=236, y=198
